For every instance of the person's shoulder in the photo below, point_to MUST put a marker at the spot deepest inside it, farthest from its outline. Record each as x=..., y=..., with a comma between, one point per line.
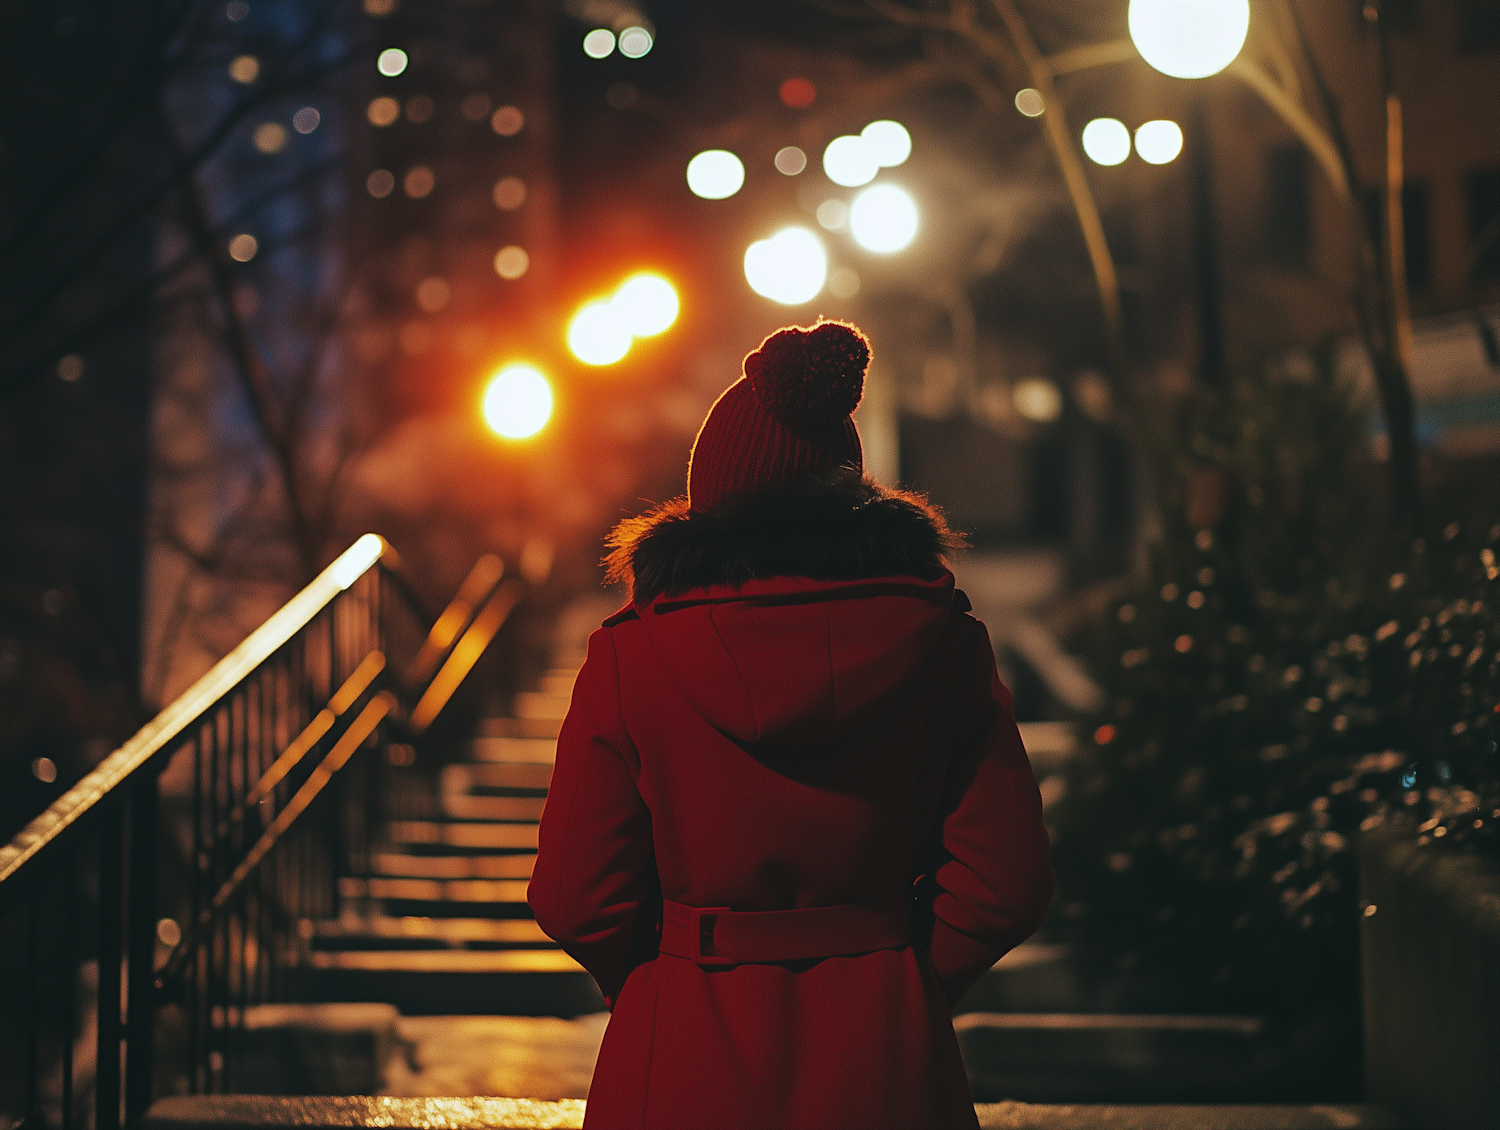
x=627, y=613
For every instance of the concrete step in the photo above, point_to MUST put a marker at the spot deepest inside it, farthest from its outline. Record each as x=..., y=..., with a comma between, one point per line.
x=488, y=891
x=461, y=834
x=519, y=727
x=497, y=747
x=467, y=778
x=253, y=1112
x=407, y=866
x=446, y=961
x=381, y=931
x=517, y=808
x=542, y=704
x=559, y=680
x=478, y=983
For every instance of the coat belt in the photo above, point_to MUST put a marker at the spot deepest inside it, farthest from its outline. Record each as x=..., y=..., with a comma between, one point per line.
x=719, y=935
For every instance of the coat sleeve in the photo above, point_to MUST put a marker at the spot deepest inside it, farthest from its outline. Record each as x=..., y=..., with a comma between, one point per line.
x=594, y=888
x=989, y=878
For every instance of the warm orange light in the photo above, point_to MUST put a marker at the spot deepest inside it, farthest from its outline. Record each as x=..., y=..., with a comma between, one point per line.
x=646, y=303
x=598, y=334
x=517, y=402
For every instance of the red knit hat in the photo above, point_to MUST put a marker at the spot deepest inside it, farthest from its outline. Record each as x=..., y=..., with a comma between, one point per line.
x=787, y=417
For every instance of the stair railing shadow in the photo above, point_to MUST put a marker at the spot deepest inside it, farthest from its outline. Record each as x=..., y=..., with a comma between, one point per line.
x=252, y=775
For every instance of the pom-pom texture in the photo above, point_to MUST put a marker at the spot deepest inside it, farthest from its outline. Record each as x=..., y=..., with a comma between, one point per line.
x=810, y=378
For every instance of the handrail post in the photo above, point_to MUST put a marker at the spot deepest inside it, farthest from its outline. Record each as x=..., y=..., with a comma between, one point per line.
x=140, y=1030
x=111, y=908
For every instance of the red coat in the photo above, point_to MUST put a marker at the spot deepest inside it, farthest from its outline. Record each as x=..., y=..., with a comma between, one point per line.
x=790, y=744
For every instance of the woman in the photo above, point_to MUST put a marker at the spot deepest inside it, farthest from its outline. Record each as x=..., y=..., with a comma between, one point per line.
x=791, y=820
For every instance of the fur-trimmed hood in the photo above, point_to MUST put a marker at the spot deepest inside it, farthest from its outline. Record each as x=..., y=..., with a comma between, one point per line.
x=840, y=526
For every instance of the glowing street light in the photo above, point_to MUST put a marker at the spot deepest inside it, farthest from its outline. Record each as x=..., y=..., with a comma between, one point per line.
x=883, y=218
x=1189, y=38
x=850, y=161
x=517, y=402
x=1159, y=141
x=635, y=42
x=715, y=174
x=598, y=334
x=889, y=142
x=1106, y=141
x=599, y=43
x=790, y=267
x=646, y=303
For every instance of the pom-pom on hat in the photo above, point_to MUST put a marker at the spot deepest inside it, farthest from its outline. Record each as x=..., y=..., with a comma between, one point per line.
x=789, y=416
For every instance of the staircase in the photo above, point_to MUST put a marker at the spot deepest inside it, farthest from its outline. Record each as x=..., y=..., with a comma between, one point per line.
x=440, y=925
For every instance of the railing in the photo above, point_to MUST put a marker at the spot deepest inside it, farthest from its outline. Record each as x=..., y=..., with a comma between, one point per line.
x=237, y=808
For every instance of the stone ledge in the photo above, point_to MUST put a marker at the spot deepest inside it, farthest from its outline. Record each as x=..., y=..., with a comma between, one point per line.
x=254, y=1112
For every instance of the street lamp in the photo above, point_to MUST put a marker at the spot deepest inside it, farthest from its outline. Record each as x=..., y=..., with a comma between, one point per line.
x=1189, y=38
x=517, y=402
x=790, y=267
x=883, y=219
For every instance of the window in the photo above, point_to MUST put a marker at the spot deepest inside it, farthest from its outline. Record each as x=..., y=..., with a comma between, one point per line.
x=1484, y=223
x=1478, y=25
x=1288, y=206
x=1417, y=229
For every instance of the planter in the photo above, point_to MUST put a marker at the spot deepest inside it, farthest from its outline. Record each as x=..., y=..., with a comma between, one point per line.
x=1430, y=942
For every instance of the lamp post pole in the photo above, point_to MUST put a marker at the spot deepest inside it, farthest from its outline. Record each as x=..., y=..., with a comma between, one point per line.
x=1205, y=249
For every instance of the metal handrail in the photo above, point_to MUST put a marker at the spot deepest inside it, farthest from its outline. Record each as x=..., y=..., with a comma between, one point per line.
x=465, y=654
x=361, y=728
x=138, y=754
x=471, y=595
x=79, y=885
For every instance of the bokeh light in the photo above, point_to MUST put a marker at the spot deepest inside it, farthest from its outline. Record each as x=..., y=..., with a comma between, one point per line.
x=1106, y=141
x=419, y=182
x=790, y=160
x=883, y=218
x=790, y=267
x=843, y=282
x=888, y=141
x=306, y=120
x=1189, y=38
x=635, y=42
x=270, y=137
x=475, y=106
x=797, y=93
x=507, y=121
x=392, y=62
x=1030, y=102
x=512, y=262
x=244, y=69
x=242, y=248
x=850, y=161
x=509, y=193
x=433, y=294
x=646, y=303
x=715, y=174
x=1159, y=141
x=380, y=184
x=383, y=111
x=598, y=335
x=833, y=214
x=517, y=402
x=599, y=43
x=70, y=368
x=1037, y=399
